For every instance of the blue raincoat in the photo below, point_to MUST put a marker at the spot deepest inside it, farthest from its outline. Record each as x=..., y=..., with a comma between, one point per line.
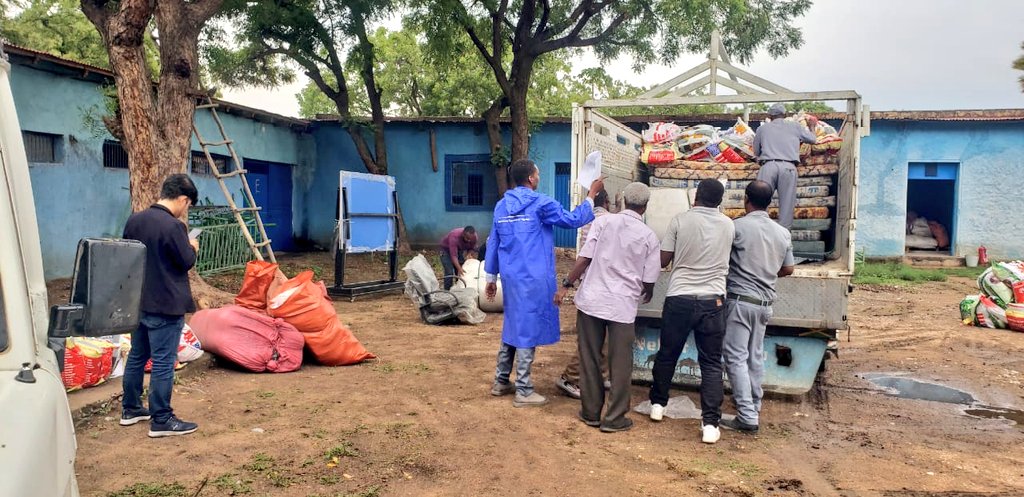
x=521, y=248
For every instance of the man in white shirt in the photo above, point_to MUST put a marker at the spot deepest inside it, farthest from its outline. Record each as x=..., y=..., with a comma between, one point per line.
x=697, y=243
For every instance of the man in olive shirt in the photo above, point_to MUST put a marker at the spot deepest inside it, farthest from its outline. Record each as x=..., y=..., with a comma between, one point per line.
x=697, y=242
x=761, y=253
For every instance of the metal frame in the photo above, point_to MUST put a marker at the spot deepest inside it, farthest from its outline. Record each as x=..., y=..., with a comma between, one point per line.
x=367, y=287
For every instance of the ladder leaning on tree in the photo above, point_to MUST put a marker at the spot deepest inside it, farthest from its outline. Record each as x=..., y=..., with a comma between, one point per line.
x=262, y=249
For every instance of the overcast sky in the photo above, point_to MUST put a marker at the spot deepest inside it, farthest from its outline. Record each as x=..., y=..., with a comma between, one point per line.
x=899, y=55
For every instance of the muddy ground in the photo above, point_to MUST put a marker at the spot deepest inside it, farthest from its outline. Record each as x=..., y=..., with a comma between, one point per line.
x=420, y=421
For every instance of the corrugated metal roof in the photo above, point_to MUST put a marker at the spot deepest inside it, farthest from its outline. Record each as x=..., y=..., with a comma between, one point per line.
x=36, y=56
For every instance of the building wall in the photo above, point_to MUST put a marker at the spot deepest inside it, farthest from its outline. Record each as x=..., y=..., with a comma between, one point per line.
x=78, y=197
x=421, y=191
x=991, y=167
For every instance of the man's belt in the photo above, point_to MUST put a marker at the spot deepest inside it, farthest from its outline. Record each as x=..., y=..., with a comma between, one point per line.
x=697, y=297
x=794, y=162
x=749, y=300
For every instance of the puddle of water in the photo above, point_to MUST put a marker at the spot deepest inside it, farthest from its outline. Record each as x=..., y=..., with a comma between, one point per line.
x=989, y=412
x=909, y=388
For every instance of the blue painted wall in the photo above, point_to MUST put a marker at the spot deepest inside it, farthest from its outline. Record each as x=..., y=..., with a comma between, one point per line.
x=421, y=191
x=990, y=174
x=78, y=197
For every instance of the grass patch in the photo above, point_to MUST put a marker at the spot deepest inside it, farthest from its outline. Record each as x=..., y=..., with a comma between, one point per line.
x=391, y=367
x=339, y=451
x=151, y=490
x=373, y=491
x=260, y=462
x=886, y=273
x=265, y=394
x=232, y=484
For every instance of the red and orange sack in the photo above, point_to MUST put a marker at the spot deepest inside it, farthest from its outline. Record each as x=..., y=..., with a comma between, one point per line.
x=304, y=304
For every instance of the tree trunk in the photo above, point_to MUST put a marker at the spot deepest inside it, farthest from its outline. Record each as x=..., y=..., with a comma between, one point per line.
x=156, y=122
x=522, y=70
x=520, y=122
x=492, y=120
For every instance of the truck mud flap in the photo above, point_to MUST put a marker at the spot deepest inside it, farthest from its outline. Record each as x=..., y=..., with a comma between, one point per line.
x=791, y=363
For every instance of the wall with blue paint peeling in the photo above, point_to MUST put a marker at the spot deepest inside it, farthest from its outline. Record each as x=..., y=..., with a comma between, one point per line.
x=78, y=197
x=421, y=191
x=991, y=166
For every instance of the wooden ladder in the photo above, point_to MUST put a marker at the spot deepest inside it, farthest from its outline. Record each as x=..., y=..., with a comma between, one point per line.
x=258, y=248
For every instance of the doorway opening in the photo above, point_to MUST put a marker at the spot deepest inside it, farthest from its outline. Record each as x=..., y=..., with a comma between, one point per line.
x=931, y=206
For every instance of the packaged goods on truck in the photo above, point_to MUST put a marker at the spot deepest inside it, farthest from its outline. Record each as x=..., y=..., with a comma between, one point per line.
x=681, y=156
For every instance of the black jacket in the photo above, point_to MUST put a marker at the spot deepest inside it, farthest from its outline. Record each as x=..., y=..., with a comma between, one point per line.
x=169, y=256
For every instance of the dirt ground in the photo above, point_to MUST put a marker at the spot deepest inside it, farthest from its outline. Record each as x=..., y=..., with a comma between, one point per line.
x=420, y=421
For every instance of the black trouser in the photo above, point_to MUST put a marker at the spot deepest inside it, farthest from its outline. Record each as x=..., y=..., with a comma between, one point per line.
x=706, y=316
x=591, y=334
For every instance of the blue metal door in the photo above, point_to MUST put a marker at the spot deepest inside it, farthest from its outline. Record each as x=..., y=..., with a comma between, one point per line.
x=271, y=186
x=564, y=238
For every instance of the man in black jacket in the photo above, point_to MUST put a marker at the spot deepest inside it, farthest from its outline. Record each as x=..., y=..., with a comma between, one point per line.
x=166, y=298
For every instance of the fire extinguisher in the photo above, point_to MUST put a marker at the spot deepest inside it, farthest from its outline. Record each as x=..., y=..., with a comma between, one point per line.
x=982, y=255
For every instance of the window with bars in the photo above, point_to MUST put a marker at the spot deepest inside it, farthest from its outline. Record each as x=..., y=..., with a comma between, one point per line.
x=114, y=155
x=42, y=148
x=470, y=184
x=202, y=166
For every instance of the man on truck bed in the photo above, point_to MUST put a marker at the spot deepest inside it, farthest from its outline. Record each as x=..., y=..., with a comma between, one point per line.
x=777, y=147
x=697, y=243
x=761, y=253
x=166, y=298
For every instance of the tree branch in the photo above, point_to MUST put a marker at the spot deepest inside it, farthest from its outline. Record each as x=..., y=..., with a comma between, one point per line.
x=573, y=40
x=545, y=14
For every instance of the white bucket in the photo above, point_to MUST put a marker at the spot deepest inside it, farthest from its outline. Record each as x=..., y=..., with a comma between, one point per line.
x=971, y=260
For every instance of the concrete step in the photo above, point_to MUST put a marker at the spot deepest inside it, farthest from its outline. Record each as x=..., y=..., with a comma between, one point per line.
x=933, y=259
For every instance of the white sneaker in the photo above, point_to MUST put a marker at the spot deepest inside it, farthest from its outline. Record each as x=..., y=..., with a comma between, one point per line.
x=710, y=434
x=657, y=412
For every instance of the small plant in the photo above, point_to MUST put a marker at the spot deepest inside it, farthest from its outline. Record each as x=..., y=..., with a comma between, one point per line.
x=260, y=462
x=151, y=490
x=339, y=451
x=233, y=484
x=329, y=480
x=373, y=491
x=265, y=394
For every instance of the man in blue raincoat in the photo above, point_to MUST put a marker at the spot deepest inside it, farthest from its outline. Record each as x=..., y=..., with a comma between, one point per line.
x=521, y=248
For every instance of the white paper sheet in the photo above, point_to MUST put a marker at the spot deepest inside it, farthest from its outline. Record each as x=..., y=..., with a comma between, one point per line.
x=591, y=170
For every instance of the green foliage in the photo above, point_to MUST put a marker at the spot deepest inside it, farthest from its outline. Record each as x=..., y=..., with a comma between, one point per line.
x=59, y=27
x=879, y=273
x=151, y=490
x=814, y=107
x=231, y=484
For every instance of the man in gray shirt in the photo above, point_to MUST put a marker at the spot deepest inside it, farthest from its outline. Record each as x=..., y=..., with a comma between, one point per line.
x=761, y=253
x=698, y=242
x=777, y=147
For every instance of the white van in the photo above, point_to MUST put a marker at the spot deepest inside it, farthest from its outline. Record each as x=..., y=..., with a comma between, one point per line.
x=37, y=436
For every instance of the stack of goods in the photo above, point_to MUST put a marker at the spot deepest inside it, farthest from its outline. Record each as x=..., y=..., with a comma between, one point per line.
x=923, y=234
x=680, y=157
x=1001, y=301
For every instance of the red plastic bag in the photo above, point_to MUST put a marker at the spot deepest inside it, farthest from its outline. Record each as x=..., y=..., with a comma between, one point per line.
x=305, y=305
x=251, y=339
x=259, y=275
x=1018, y=291
x=87, y=362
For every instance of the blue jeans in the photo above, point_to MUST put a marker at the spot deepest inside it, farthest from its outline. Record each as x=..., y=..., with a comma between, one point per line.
x=156, y=338
x=449, y=268
x=524, y=386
